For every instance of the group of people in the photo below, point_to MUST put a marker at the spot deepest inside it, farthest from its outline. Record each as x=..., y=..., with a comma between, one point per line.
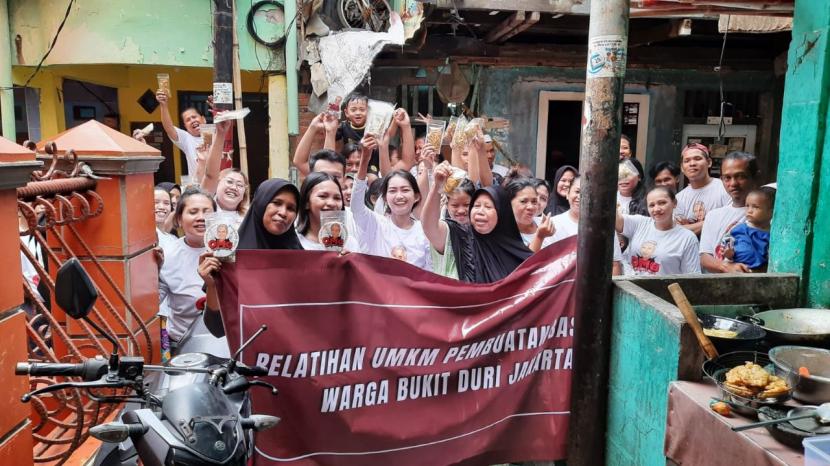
x=449, y=209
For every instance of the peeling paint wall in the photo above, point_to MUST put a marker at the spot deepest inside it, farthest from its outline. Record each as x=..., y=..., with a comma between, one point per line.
x=514, y=93
x=151, y=32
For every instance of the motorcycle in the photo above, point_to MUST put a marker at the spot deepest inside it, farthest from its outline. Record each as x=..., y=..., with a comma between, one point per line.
x=196, y=414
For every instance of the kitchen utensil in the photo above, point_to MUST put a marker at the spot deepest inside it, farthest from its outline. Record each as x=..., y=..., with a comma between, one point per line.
x=691, y=318
x=800, y=326
x=820, y=414
x=748, y=337
x=813, y=388
x=717, y=368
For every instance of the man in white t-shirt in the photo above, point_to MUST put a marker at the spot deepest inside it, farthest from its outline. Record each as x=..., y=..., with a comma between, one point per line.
x=703, y=194
x=490, y=149
x=187, y=141
x=738, y=173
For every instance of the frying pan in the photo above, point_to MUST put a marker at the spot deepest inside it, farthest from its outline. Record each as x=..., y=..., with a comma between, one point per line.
x=748, y=335
x=800, y=326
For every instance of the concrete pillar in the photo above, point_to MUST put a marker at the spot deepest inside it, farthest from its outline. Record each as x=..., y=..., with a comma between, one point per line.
x=16, y=165
x=800, y=226
x=6, y=92
x=123, y=236
x=278, y=152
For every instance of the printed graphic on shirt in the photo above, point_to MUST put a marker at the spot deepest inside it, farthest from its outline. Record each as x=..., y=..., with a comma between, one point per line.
x=398, y=252
x=699, y=209
x=644, y=262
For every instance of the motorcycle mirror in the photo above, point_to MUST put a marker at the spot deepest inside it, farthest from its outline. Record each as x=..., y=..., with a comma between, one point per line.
x=74, y=291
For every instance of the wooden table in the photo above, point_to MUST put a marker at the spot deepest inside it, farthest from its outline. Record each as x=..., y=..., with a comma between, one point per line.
x=696, y=435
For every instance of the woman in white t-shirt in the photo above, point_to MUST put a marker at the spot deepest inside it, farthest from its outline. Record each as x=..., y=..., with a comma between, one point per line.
x=524, y=200
x=162, y=210
x=320, y=192
x=396, y=234
x=657, y=246
x=230, y=185
x=179, y=281
x=566, y=225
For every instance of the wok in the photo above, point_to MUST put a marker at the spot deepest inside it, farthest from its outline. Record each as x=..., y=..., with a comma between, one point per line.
x=803, y=326
x=748, y=335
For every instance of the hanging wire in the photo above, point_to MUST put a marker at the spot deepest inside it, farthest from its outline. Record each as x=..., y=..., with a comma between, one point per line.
x=719, y=69
x=52, y=45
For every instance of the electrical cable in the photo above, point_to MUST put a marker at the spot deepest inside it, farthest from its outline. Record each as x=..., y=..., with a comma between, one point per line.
x=52, y=45
x=719, y=69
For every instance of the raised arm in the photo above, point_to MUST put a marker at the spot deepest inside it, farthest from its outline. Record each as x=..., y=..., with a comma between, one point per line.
x=303, y=151
x=402, y=121
x=546, y=229
x=479, y=169
x=213, y=164
x=330, y=125
x=435, y=229
x=166, y=120
x=383, y=149
x=423, y=178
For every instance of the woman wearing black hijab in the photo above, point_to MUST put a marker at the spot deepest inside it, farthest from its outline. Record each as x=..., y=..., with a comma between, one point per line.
x=268, y=224
x=490, y=247
x=558, y=200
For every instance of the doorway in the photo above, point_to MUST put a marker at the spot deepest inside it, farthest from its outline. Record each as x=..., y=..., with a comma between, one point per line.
x=256, y=131
x=559, y=130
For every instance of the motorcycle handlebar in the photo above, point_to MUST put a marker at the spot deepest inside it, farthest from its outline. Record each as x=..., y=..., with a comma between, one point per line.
x=91, y=369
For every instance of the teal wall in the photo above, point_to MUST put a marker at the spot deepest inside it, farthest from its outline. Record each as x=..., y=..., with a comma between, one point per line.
x=153, y=32
x=801, y=223
x=514, y=94
x=645, y=342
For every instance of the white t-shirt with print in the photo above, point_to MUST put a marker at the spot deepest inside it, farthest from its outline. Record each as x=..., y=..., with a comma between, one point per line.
x=695, y=203
x=656, y=252
x=188, y=144
x=717, y=225
x=566, y=227
x=351, y=244
x=623, y=202
x=180, y=285
x=377, y=235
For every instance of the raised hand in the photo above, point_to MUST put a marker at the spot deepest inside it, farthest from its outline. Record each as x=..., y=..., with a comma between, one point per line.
x=441, y=173
x=330, y=122
x=546, y=227
x=208, y=265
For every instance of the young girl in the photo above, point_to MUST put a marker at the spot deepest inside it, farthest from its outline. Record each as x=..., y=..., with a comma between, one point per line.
x=179, y=281
x=435, y=228
x=657, y=245
x=319, y=193
x=398, y=231
x=751, y=239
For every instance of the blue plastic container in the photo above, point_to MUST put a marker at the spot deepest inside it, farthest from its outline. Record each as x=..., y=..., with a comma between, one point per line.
x=817, y=451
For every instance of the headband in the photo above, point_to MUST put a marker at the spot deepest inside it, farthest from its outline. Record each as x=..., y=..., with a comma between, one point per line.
x=695, y=146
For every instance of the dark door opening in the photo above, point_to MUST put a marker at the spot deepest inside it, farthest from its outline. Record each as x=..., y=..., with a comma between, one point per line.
x=256, y=131
x=564, y=134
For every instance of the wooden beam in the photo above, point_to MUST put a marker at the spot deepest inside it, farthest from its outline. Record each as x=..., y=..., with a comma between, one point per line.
x=533, y=19
x=573, y=7
x=654, y=34
x=505, y=27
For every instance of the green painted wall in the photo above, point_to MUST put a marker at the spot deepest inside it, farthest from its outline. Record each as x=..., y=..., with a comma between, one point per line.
x=800, y=228
x=153, y=32
x=645, y=348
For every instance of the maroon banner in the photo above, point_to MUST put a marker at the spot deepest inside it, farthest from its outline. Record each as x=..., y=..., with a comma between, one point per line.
x=379, y=362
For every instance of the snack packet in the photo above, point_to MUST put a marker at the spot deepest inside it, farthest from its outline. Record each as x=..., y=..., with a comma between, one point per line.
x=435, y=133
x=455, y=178
x=333, y=233
x=221, y=237
x=379, y=118
x=459, y=137
x=627, y=170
